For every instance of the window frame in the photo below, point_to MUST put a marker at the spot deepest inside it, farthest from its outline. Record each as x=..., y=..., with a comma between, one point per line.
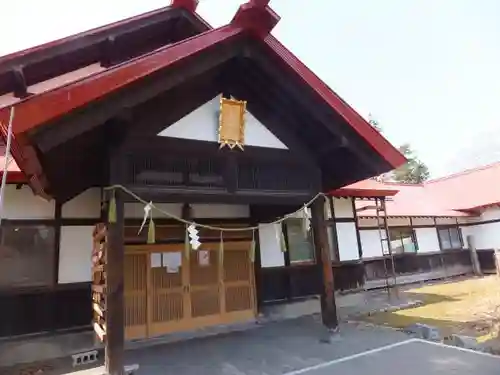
x=447, y=228
x=52, y=251
x=412, y=235
x=288, y=258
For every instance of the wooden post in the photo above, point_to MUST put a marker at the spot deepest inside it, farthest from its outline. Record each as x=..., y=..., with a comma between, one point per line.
x=115, y=320
x=324, y=261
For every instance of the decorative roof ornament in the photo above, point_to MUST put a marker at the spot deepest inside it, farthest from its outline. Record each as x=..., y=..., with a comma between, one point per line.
x=257, y=16
x=189, y=5
x=232, y=123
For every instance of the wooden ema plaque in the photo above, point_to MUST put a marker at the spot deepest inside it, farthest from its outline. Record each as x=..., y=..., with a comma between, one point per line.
x=99, y=280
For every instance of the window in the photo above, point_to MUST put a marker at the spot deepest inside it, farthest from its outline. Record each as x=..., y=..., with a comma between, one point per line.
x=449, y=238
x=26, y=256
x=300, y=247
x=402, y=240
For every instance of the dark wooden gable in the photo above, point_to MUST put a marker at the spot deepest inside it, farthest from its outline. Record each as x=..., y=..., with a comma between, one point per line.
x=76, y=147
x=108, y=45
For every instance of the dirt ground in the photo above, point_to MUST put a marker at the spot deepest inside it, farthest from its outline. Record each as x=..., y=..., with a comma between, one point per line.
x=468, y=307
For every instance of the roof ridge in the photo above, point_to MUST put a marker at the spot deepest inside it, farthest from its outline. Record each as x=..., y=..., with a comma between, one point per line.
x=464, y=172
x=395, y=183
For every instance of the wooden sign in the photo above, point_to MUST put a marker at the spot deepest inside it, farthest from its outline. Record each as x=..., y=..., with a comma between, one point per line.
x=99, y=280
x=232, y=123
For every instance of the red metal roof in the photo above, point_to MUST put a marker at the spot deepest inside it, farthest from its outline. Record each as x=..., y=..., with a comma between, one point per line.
x=468, y=190
x=254, y=16
x=456, y=195
x=366, y=189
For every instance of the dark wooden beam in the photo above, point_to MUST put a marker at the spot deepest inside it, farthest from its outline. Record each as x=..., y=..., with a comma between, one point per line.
x=158, y=114
x=115, y=305
x=109, y=52
x=289, y=122
x=193, y=195
x=304, y=95
x=115, y=264
x=323, y=259
x=88, y=39
x=231, y=172
x=20, y=86
x=331, y=146
x=101, y=111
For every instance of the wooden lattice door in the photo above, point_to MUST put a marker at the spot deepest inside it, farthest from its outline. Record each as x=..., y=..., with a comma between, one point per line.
x=206, y=304
x=167, y=290
x=238, y=280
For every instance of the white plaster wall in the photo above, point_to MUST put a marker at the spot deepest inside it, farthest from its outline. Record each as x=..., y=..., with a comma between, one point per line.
x=343, y=207
x=371, y=244
x=422, y=221
x=486, y=236
x=84, y=205
x=347, y=241
x=23, y=204
x=202, y=124
x=427, y=240
x=270, y=250
x=75, y=254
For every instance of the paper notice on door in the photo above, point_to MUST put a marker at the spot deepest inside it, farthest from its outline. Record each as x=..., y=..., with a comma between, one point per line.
x=155, y=260
x=204, y=258
x=172, y=261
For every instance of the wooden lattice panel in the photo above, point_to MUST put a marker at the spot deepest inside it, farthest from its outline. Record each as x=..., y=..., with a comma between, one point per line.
x=167, y=307
x=205, y=302
x=238, y=298
x=204, y=274
x=167, y=295
x=236, y=266
x=135, y=284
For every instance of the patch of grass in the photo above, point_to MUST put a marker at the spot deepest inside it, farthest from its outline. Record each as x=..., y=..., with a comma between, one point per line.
x=470, y=307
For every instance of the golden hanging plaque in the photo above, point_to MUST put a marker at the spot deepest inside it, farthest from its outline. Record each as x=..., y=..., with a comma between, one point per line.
x=232, y=123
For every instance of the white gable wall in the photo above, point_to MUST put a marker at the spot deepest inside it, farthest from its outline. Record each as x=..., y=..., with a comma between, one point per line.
x=202, y=124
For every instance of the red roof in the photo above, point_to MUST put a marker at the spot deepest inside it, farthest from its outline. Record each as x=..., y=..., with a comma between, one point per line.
x=366, y=189
x=254, y=16
x=468, y=190
x=459, y=194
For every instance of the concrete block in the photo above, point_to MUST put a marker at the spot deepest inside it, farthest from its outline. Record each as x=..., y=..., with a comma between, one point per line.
x=463, y=341
x=424, y=331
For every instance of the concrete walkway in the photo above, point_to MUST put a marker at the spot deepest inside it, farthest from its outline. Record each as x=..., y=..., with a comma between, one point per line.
x=62, y=346
x=292, y=347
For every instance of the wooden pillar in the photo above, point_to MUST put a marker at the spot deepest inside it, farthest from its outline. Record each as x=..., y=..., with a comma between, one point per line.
x=323, y=259
x=115, y=320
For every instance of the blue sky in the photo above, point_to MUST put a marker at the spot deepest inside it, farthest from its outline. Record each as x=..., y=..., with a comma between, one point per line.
x=427, y=70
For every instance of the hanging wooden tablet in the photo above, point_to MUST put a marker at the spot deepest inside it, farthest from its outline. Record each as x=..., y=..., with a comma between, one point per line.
x=232, y=123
